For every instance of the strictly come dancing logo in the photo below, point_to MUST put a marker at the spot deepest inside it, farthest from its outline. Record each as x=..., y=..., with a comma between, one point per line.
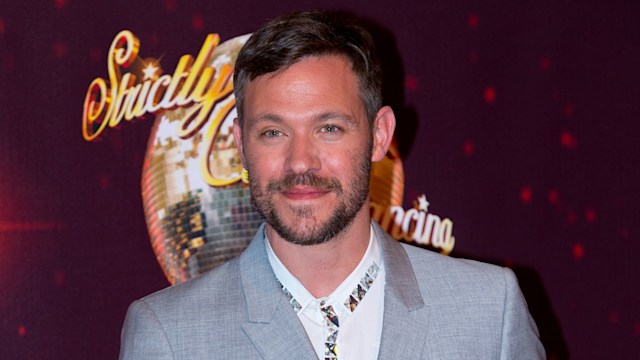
x=196, y=198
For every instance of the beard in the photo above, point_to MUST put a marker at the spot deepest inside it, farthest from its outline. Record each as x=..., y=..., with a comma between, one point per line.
x=303, y=227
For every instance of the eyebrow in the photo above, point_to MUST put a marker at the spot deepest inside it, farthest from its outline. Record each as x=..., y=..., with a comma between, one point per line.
x=334, y=115
x=269, y=117
x=326, y=116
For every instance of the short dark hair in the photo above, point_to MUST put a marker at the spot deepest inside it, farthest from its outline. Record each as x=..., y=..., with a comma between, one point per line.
x=288, y=39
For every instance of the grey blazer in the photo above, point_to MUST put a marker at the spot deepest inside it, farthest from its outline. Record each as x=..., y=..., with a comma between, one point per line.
x=435, y=307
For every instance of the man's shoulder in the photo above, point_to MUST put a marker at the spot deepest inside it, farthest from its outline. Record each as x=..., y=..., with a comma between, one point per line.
x=475, y=308
x=453, y=276
x=190, y=319
x=218, y=286
x=451, y=265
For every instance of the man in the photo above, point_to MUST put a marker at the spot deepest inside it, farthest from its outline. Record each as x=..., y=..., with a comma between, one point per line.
x=320, y=279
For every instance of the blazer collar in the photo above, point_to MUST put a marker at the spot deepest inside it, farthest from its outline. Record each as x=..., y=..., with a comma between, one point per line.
x=272, y=325
x=277, y=333
x=405, y=315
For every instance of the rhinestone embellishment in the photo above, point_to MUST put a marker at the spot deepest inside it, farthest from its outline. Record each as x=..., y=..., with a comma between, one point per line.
x=329, y=314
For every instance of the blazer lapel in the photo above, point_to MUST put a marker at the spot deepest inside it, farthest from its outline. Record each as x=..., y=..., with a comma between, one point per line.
x=272, y=325
x=404, y=308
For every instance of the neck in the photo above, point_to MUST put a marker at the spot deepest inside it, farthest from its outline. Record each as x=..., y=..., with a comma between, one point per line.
x=321, y=268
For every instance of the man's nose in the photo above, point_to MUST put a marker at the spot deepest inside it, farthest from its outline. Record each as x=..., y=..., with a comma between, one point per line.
x=303, y=156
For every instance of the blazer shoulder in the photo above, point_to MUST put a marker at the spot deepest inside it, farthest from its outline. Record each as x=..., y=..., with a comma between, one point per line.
x=471, y=299
x=218, y=286
x=459, y=279
x=421, y=257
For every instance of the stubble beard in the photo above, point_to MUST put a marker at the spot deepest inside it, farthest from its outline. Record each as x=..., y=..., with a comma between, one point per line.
x=303, y=228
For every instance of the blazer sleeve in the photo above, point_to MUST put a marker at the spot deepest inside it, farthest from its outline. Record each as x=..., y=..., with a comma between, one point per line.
x=520, y=337
x=143, y=336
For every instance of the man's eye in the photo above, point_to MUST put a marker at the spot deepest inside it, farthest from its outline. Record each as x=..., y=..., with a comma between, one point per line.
x=271, y=133
x=330, y=129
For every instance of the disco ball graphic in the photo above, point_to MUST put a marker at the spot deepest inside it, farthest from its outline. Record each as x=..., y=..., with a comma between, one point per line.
x=195, y=226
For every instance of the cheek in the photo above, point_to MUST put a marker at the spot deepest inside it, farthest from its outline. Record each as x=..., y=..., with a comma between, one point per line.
x=264, y=168
x=343, y=164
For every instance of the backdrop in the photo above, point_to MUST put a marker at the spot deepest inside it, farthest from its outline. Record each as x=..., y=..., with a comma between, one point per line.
x=518, y=121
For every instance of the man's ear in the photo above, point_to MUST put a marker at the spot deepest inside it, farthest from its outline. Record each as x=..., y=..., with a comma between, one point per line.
x=237, y=135
x=383, y=128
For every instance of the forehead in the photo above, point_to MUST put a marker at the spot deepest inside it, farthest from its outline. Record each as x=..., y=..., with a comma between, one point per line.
x=318, y=83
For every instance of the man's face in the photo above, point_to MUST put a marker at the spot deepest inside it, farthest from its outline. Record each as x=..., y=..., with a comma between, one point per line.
x=306, y=144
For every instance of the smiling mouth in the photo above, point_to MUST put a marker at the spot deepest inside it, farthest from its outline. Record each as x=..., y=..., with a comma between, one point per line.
x=304, y=186
x=304, y=193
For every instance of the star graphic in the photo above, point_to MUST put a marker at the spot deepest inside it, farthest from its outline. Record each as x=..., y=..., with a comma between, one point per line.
x=149, y=71
x=423, y=203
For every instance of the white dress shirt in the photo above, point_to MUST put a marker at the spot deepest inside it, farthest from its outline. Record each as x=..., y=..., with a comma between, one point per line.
x=359, y=331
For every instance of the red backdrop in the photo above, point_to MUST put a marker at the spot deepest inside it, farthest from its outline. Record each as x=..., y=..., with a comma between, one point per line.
x=517, y=121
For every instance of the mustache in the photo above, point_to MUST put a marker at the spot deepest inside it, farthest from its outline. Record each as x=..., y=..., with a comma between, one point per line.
x=308, y=179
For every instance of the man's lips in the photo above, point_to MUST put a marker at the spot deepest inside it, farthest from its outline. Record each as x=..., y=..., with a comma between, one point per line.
x=304, y=193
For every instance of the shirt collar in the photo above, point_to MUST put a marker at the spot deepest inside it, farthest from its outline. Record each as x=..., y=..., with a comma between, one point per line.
x=342, y=292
